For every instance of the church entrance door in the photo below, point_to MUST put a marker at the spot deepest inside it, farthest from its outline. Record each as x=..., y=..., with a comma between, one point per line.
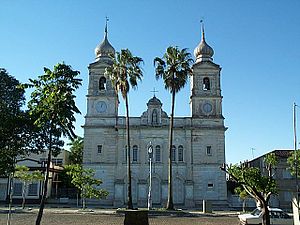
x=155, y=191
x=178, y=191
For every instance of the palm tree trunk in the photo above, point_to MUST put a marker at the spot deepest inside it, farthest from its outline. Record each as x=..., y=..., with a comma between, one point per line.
x=129, y=193
x=45, y=189
x=170, y=204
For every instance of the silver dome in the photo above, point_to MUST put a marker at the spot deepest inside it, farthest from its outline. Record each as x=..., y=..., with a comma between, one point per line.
x=203, y=52
x=104, y=49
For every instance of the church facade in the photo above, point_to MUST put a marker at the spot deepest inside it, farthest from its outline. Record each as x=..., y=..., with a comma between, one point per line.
x=198, y=146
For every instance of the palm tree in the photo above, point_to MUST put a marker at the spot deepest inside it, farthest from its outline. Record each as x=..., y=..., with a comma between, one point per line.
x=174, y=68
x=76, y=154
x=125, y=72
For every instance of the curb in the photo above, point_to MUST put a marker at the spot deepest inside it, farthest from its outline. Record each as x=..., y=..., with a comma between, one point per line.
x=151, y=213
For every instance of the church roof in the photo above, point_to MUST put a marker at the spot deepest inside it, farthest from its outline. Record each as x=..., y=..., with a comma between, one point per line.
x=104, y=48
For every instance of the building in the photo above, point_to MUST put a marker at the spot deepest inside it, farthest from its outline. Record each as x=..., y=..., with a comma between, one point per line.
x=199, y=140
x=286, y=183
x=59, y=160
x=33, y=190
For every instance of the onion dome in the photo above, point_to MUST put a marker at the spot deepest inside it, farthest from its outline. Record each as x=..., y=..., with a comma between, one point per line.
x=203, y=52
x=104, y=49
x=154, y=101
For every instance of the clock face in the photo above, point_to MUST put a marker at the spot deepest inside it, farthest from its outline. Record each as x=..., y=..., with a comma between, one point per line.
x=101, y=107
x=207, y=107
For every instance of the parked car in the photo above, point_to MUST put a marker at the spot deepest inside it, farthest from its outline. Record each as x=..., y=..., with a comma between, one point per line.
x=277, y=217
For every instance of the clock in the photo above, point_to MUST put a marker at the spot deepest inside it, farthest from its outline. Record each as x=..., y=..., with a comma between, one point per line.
x=101, y=107
x=207, y=107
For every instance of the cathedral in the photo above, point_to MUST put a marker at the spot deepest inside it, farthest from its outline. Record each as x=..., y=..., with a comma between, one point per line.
x=199, y=140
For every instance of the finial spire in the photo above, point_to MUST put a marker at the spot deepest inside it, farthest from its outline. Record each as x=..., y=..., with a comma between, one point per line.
x=106, y=20
x=203, y=52
x=104, y=49
x=202, y=29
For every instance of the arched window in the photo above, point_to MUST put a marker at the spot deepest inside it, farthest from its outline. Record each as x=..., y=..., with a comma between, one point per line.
x=180, y=153
x=157, y=153
x=173, y=156
x=135, y=153
x=102, y=83
x=154, y=117
x=206, y=84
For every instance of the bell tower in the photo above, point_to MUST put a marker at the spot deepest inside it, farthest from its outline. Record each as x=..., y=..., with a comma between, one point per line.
x=206, y=98
x=102, y=100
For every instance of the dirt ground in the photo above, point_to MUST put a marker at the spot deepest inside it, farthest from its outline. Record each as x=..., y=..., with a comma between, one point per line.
x=89, y=219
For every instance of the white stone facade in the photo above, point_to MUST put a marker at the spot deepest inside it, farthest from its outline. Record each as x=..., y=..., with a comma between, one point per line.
x=199, y=141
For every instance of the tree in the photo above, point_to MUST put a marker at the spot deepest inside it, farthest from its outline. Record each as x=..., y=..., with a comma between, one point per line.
x=294, y=163
x=12, y=124
x=125, y=72
x=22, y=173
x=236, y=188
x=18, y=135
x=255, y=184
x=174, y=68
x=84, y=180
x=271, y=161
x=76, y=148
x=294, y=167
x=244, y=196
x=75, y=157
x=52, y=104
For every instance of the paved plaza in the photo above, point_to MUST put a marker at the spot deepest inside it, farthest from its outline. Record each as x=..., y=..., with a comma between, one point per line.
x=68, y=217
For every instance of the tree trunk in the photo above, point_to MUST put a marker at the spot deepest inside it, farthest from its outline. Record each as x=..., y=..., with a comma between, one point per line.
x=266, y=214
x=83, y=197
x=77, y=198
x=23, y=195
x=83, y=203
x=44, y=194
x=170, y=205
x=129, y=193
x=270, y=171
x=11, y=190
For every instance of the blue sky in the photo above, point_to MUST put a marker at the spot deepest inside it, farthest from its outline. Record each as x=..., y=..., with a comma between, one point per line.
x=257, y=44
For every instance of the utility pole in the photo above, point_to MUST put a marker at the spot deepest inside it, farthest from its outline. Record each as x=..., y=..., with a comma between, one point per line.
x=252, y=149
x=295, y=148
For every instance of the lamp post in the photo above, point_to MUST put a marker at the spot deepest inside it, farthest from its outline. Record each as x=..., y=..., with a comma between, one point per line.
x=150, y=153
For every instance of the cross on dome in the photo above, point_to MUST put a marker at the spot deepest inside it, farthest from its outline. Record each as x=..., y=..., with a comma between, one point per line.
x=154, y=91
